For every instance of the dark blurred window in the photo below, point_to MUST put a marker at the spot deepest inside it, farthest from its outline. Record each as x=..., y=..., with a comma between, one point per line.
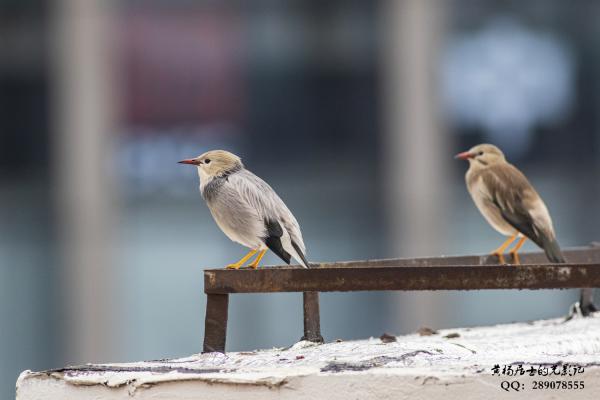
x=24, y=93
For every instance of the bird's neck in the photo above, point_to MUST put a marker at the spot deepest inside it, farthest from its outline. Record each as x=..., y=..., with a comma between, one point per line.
x=206, y=179
x=478, y=165
x=236, y=168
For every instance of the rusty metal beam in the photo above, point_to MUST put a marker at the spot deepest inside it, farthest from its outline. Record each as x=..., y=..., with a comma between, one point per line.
x=342, y=279
x=438, y=273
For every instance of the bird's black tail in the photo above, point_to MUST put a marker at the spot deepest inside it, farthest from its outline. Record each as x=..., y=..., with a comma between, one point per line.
x=301, y=254
x=552, y=250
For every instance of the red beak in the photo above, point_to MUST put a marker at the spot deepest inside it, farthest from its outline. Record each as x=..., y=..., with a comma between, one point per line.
x=190, y=161
x=465, y=155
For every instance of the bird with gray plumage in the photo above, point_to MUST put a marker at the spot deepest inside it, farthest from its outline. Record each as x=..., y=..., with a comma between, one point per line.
x=512, y=206
x=247, y=209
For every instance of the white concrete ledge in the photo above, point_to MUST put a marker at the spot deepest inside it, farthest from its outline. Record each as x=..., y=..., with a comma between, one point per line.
x=451, y=364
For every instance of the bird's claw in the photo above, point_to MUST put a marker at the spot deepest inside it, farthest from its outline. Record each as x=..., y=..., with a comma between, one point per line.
x=501, y=260
x=500, y=257
x=515, y=258
x=233, y=266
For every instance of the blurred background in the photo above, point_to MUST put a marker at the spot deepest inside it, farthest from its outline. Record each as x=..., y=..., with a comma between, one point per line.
x=352, y=110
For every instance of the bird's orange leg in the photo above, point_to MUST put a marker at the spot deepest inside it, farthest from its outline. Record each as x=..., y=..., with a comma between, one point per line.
x=238, y=264
x=514, y=253
x=259, y=257
x=500, y=250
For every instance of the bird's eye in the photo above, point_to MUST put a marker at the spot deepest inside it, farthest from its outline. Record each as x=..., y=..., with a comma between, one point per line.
x=207, y=161
x=480, y=153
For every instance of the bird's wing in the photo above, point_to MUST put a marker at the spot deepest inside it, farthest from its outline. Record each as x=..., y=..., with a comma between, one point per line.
x=518, y=202
x=279, y=221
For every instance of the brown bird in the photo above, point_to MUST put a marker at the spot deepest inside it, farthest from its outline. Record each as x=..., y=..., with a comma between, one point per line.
x=508, y=202
x=512, y=206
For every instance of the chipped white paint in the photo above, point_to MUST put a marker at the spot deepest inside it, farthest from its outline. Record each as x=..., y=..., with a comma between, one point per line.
x=413, y=366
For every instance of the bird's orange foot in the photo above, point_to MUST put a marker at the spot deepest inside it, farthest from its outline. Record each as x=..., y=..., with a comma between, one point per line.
x=238, y=264
x=499, y=252
x=514, y=252
x=500, y=257
x=515, y=257
x=254, y=264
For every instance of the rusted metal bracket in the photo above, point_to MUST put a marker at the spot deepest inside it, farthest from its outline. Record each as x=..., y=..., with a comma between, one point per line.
x=312, y=317
x=215, y=323
x=436, y=273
